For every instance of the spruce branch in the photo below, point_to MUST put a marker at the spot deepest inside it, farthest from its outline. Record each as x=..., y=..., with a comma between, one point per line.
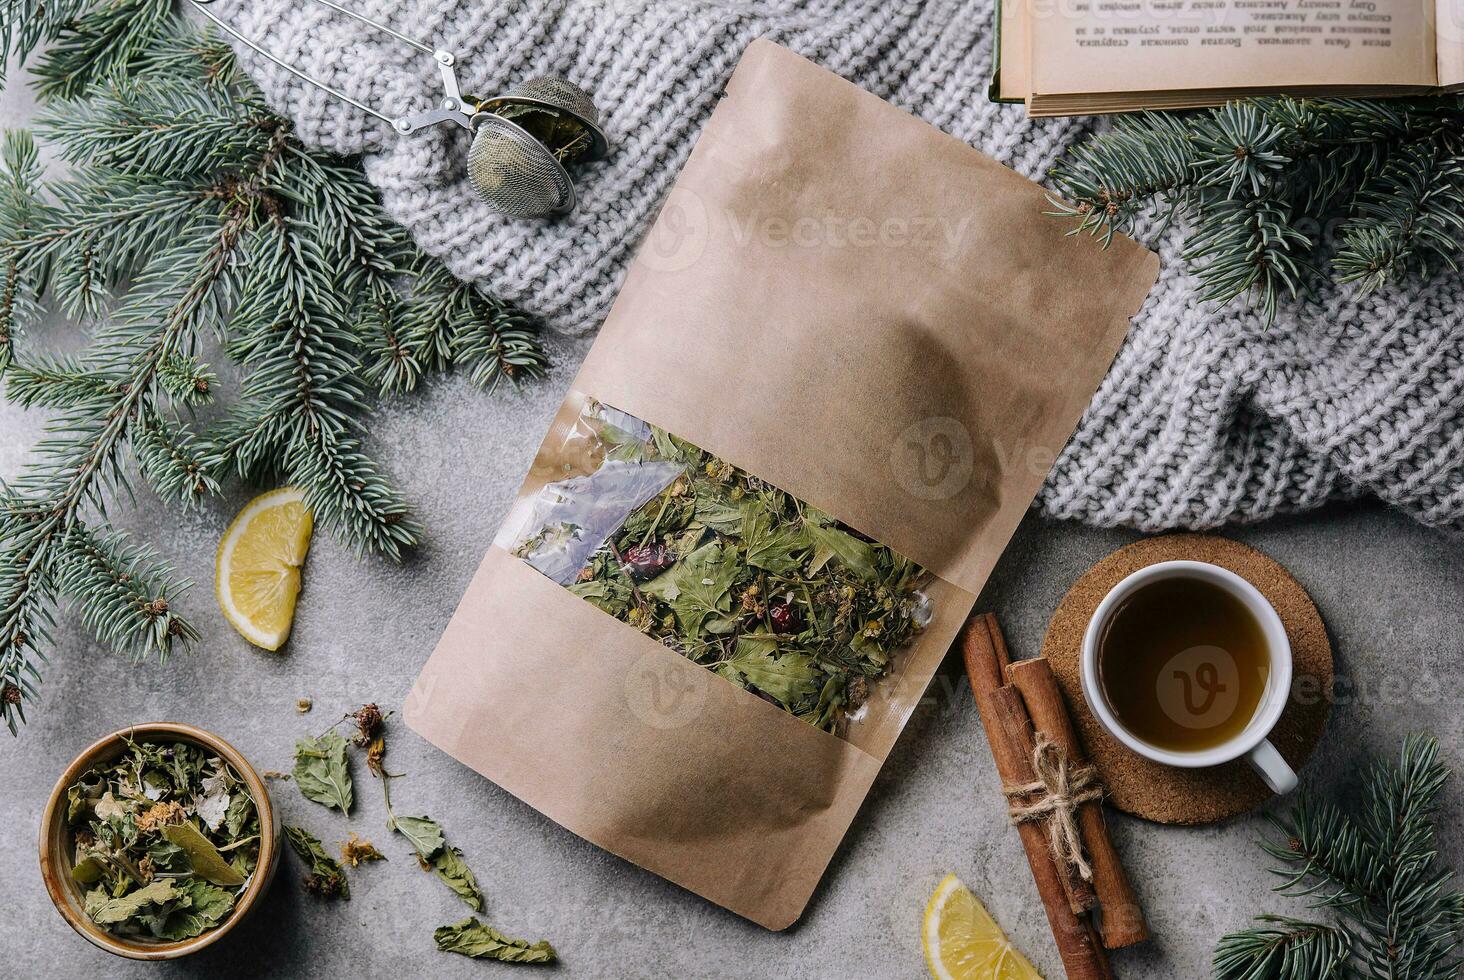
x=61, y=383
x=390, y=362
x=186, y=380
x=1260, y=181
x=1284, y=949
x=103, y=44
x=1408, y=218
x=181, y=50
x=173, y=460
x=191, y=212
x=176, y=128
x=447, y=323
x=27, y=24
x=20, y=181
x=303, y=397
x=44, y=545
x=1377, y=870
x=125, y=593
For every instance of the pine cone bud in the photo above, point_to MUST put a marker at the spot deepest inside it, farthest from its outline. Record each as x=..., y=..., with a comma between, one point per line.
x=646, y=560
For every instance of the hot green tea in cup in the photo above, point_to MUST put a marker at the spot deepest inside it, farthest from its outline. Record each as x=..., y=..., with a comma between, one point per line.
x=1183, y=664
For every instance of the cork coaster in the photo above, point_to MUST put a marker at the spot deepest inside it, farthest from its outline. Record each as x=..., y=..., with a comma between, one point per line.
x=1194, y=796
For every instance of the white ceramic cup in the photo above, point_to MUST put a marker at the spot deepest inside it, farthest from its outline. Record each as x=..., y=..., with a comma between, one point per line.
x=1251, y=741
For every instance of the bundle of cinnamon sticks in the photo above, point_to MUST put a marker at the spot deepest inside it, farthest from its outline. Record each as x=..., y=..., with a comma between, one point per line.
x=1021, y=705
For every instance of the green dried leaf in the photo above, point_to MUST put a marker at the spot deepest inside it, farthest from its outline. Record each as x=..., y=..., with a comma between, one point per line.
x=455, y=873
x=128, y=906
x=321, y=771
x=472, y=938
x=239, y=816
x=424, y=833
x=830, y=542
x=434, y=854
x=697, y=587
x=780, y=551
x=789, y=677
x=87, y=871
x=203, y=907
x=96, y=898
x=203, y=857
x=325, y=878
x=78, y=802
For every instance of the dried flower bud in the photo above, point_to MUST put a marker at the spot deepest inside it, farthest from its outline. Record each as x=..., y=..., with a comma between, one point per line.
x=10, y=694
x=160, y=815
x=368, y=720
x=303, y=705
x=646, y=560
x=374, y=754
x=326, y=886
x=355, y=850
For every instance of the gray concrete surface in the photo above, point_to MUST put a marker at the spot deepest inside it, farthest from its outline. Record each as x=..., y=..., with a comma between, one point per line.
x=1389, y=590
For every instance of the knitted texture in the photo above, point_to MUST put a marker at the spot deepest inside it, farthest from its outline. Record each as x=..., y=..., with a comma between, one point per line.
x=1206, y=417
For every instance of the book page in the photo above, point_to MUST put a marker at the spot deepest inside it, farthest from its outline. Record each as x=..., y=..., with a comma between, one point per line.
x=1015, y=49
x=1094, y=46
x=1449, y=31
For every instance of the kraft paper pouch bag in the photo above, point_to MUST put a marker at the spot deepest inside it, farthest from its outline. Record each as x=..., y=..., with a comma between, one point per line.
x=850, y=307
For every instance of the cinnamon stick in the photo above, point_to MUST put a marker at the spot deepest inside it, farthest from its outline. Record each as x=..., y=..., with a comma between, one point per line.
x=1123, y=918
x=983, y=643
x=1004, y=717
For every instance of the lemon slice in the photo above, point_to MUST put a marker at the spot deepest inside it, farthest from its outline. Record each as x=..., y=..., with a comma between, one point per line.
x=257, y=573
x=963, y=942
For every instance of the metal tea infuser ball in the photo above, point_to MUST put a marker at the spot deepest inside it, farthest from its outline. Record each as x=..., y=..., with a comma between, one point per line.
x=522, y=140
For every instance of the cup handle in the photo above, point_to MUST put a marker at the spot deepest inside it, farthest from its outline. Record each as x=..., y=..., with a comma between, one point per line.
x=1272, y=768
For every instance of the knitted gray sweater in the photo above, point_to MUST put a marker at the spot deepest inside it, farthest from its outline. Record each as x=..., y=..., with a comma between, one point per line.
x=1206, y=417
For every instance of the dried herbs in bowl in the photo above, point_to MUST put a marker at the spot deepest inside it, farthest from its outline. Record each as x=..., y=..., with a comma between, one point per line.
x=156, y=840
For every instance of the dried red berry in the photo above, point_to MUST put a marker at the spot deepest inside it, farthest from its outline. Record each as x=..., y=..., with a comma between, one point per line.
x=645, y=560
x=785, y=617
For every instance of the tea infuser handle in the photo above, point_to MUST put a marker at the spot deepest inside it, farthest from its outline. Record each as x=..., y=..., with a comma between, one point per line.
x=1273, y=769
x=452, y=109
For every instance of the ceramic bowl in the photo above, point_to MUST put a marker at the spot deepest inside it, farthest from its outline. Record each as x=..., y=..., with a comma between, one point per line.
x=57, y=851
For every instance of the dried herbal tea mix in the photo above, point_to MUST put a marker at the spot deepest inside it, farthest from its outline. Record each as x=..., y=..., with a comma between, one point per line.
x=165, y=838
x=726, y=569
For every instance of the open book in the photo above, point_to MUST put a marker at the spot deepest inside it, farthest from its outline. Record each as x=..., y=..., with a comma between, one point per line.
x=1064, y=57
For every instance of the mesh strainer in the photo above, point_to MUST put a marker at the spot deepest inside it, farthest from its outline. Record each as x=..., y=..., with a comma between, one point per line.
x=522, y=140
